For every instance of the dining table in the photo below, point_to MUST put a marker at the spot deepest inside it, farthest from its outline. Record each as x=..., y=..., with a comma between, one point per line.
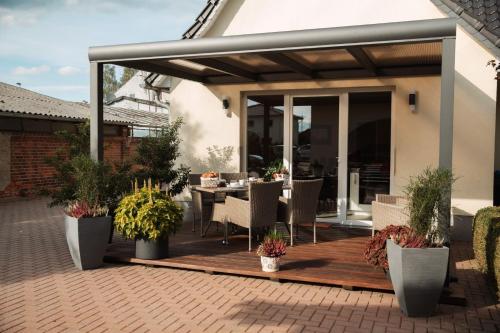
x=227, y=190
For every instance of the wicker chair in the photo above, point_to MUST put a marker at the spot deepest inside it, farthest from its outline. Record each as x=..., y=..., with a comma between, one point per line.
x=228, y=176
x=202, y=202
x=302, y=206
x=387, y=210
x=259, y=211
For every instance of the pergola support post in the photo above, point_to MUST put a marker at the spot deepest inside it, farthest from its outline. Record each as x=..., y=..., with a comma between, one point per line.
x=447, y=103
x=446, y=116
x=96, y=111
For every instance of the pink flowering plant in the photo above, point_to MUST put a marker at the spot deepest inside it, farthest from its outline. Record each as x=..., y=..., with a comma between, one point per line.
x=274, y=245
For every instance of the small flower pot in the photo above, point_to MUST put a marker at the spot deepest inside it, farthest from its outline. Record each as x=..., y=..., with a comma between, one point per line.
x=270, y=264
x=151, y=249
x=87, y=239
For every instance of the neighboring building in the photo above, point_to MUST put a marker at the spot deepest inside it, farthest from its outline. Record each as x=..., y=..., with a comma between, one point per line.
x=28, y=121
x=144, y=91
x=381, y=142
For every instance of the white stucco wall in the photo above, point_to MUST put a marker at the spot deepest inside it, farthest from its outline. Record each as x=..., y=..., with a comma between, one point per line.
x=416, y=135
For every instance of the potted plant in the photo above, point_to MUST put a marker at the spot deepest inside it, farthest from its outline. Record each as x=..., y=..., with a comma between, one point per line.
x=277, y=171
x=87, y=224
x=271, y=250
x=148, y=216
x=115, y=181
x=418, y=261
x=376, y=250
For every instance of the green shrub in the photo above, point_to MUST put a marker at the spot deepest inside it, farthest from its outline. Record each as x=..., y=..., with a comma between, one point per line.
x=79, y=178
x=486, y=242
x=157, y=155
x=147, y=214
x=429, y=203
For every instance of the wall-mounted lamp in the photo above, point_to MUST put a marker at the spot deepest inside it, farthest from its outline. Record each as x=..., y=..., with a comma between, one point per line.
x=412, y=101
x=225, y=106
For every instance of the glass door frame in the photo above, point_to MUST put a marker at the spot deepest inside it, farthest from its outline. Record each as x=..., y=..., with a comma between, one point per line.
x=343, y=133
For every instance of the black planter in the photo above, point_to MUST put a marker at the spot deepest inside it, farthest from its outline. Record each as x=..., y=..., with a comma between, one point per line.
x=418, y=277
x=151, y=249
x=87, y=240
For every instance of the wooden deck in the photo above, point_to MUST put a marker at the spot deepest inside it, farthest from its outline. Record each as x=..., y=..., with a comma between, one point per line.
x=337, y=258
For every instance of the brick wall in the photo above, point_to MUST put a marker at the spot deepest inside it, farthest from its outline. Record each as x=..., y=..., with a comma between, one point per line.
x=28, y=171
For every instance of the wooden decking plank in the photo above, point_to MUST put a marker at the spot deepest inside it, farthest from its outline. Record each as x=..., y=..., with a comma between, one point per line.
x=337, y=259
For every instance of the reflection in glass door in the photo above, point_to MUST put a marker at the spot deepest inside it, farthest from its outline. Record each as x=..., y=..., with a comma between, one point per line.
x=315, y=147
x=265, y=132
x=369, y=147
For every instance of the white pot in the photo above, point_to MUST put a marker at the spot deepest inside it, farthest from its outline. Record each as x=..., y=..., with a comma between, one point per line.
x=284, y=177
x=270, y=264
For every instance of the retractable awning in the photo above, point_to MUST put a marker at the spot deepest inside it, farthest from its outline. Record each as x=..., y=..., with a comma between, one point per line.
x=389, y=49
x=410, y=48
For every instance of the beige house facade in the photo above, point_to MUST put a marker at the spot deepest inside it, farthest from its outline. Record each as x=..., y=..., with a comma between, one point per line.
x=365, y=94
x=414, y=135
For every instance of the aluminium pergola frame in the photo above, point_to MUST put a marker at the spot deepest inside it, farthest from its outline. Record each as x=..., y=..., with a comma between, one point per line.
x=273, y=47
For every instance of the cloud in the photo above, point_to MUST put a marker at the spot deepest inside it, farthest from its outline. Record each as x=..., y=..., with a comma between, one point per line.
x=11, y=18
x=68, y=70
x=60, y=88
x=21, y=70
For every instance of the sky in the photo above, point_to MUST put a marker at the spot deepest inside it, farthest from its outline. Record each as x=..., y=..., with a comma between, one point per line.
x=44, y=43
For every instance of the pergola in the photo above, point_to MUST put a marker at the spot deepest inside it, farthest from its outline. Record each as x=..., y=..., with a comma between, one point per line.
x=401, y=49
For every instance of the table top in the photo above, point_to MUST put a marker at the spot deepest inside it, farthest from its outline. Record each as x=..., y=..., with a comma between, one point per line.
x=226, y=189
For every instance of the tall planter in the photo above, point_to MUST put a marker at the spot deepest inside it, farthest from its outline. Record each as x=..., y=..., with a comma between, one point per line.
x=151, y=249
x=87, y=239
x=417, y=276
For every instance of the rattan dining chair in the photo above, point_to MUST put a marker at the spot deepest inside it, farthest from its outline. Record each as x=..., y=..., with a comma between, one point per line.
x=201, y=202
x=260, y=210
x=302, y=206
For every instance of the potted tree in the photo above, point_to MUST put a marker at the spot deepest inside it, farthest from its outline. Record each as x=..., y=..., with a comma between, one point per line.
x=87, y=224
x=116, y=181
x=148, y=216
x=271, y=250
x=418, y=260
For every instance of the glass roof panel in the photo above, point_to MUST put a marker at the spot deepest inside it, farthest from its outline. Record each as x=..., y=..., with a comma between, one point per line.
x=405, y=54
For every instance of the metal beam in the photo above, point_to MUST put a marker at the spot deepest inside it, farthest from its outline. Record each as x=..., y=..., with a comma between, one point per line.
x=164, y=69
x=332, y=74
x=226, y=67
x=447, y=103
x=96, y=111
x=326, y=38
x=362, y=58
x=284, y=60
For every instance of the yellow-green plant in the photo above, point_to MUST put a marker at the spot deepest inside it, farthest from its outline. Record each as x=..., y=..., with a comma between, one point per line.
x=148, y=214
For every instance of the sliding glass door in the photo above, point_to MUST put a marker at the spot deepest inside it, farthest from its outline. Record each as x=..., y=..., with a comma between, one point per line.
x=315, y=138
x=344, y=139
x=369, y=151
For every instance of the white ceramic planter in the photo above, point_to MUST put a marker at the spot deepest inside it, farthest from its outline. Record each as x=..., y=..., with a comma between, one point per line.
x=270, y=264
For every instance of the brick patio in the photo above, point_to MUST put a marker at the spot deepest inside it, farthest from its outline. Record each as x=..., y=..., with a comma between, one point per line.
x=41, y=291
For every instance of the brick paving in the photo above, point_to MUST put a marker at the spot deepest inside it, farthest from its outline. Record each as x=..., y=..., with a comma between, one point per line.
x=41, y=291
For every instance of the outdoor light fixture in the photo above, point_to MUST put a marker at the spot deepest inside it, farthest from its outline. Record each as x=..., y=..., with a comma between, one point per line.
x=412, y=101
x=225, y=106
